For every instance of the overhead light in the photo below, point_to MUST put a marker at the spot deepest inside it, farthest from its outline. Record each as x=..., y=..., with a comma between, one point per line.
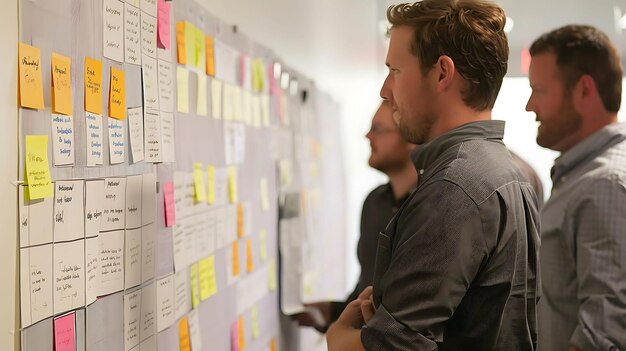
x=620, y=19
x=284, y=80
x=508, y=26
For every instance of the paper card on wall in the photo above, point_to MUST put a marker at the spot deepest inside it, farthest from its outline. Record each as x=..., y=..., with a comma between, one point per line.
x=148, y=35
x=194, y=281
x=182, y=79
x=132, y=258
x=232, y=184
x=62, y=140
x=166, y=86
x=135, y=130
x=117, y=94
x=133, y=201
x=93, y=86
x=149, y=344
x=202, y=95
x=148, y=251
x=37, y=167
x=93, y=131
x=132, y=36
x=198, y=181
x=69, y=276
x=114, y=213
x=183, y=335
x=36, y=281
x=148, y=311
x=165, y=302
x=242, y=334
x=216, y=98
x=234, y=336
x=256, y=111
x=249, y=256
x=23, y=206
x=167, y=137
x=152, y=125
x=231, y=222
x=111, y=258
x=265, y=200
x=117, y=141
x=150, y=81
x=30, y=82
x=179, y=184
x=272, y=274
x=208, y=284
x=65, y=332
x=94, y=198
x=92, y=270
x=228, y=112
x=41, y=219
x=195, y=330
x=226, y=62
x=210, y=56
x=240, y=214
x=182, y=293
x=61, y=84
x=183, y=244
x=211, y=184
x=132, y=316
x=163, y=25
x=69, y=217
x=149, y=198
x=263, y=244
x=254, y=315
x=149, y=7
x=113, y=30
x=265, y=109
x=181, y=45
x=168, y=197
x=246, y=102
x=221, y=186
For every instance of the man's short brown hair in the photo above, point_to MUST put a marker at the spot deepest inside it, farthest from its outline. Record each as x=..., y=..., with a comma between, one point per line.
x=470, y=32
x=584, y=50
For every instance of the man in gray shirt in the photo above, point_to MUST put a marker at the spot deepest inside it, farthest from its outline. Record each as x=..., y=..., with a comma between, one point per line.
x=576, y=80
x=456, y=267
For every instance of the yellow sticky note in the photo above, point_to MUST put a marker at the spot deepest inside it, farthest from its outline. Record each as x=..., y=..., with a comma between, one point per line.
x=208, y=286
x=273, y=345
x=242, y=334
x=240, y=220
x=189, y=33
x=180, y=43
x=235, y=258
x=249, y=256
x=183, y=334
x=61, y=84
x=117, y=95
x=211, y=184
x=254, y=315
x=30, y=83
x=199, y=49
x=198, y=182
x=210, y=56
x=232, y=184
x=182, y=85
x=93, y=86
x=263, y=240
x=195, y=285
x=37, y=167
x=272, y=274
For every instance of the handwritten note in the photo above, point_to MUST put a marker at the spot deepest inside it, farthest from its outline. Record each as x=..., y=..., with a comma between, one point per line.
x=132, y=316
x=199, y=183
x=117, y=94
x=113, y=30
x=210, y=56
x=165, y=302
x=149, y=7
x=152, y=125
x=194, y=282
x=149, y=198
x=199, y=49
x=37, y=167
x=36, y=283
x=150, y=83
x=31, y=82
x=166, y=86
x=163, y=24
x=114, y=204
x=208, y=285
x=132, y=259
x=23, y=208
x=94, y=196
x=148, y=250
x=132, y=37
x=182, y=79
x=148, y=310
x=117, y=142
x=64, y=333
x=183, y=335
x=69, y=276
x=133, y=201
x=93, y=86
x=148, y=35
x=167, y=137
x=232, y=184
x=168, y=196
x=62, y=140
x=201, y=107
x=182, y=293
x=93, y=131
x=135, y=126
x=61, y=84
x=181, y=47
x=111, y=260
x=69, y=210
x=92, y=275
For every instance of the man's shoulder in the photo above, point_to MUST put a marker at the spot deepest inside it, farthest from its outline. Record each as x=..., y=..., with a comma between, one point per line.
x=378, y=192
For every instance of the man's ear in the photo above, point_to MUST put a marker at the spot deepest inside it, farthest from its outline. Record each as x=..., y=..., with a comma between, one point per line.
x=584, y=90
x=445, y=72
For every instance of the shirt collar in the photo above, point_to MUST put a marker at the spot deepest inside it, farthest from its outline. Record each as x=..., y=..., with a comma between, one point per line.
x=426, y=154
x=588, y=149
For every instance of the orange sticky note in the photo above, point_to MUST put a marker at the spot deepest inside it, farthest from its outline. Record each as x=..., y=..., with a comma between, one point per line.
x=61, y=84
x=242, y=335
x=30, y=83
x=117, y=95
x=249, y=257
x=183, y=333
x=93, y=86
x=235, y=258
x=240, y=220
x=210, y=56
x=180, y=43
x=273, y=345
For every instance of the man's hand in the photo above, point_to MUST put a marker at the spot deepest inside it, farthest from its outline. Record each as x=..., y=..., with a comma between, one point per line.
x=345, y=334
x=306, y=319
x=367, y=304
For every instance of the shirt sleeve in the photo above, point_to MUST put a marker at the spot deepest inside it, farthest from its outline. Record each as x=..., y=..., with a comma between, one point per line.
x=438, y=248
x=600, y=229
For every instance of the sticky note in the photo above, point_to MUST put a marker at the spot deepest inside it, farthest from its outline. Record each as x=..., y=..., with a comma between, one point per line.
x=249, y=257
x=208, y=286
x=199, y=49
x=31, y=83
x=273, y=345
x=194, y=280
x=64, y=333
x=181, y=49
x=240, y=228
x=216, y=98
x=190, y=43
x=234, y=336
x=210, y=56
x=168, y=198
x=183, y=333
x=61, y=84
x=182, y=84
x=235, y=255
x=202, y=95
x=263, y=244
x=117, y=95
x=93, y=86
x=242, y=335
x=37, y=167
x=211, y=183
x=232, y=184
x=198, y=182
x=272, y=274
x=163, y=24
x=254, y=315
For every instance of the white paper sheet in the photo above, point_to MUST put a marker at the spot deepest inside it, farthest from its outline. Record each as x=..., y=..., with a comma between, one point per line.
x=62, y=140
x=201, y=107
x=148, y=247
x=182, y=293
x=93, y=130
x=114, y=211
x=111, y=258
x=92, y=275
x=152, y=125
x=134, y=189
x=150, y=81
x=167, y=136
x=135, y=130
x=41, y=219
x=69, y=276
x=132, y=316
x=117, y=142
x=149, y=196
x=132, y=258
x=36, y=281
x=69, y=209
x=148, y=35
x=166, y=86
x=113, y=30
x=132, y=35
x=165, y=302
x=148, y=311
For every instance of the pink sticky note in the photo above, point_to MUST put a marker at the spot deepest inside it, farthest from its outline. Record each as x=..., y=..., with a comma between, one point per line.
x=234, y=336
x=64, y=335
x=163, y=24
x=168, y=196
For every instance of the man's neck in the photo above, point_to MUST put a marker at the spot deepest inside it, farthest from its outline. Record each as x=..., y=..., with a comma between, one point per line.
x=403, y=181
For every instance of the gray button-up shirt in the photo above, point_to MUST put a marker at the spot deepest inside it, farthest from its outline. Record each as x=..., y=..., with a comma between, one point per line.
x=583, y=252
x=456, y=268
